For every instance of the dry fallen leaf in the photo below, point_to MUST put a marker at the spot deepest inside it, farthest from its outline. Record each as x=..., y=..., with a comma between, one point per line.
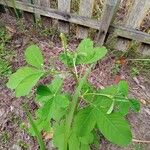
x=48, y=136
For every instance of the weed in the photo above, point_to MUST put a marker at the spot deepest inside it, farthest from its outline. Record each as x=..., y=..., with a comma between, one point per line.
x=4, y=136
x=75, y=127
x=23, y=145
x=5, y=68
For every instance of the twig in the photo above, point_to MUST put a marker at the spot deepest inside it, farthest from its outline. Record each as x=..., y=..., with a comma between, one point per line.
x=140, y=141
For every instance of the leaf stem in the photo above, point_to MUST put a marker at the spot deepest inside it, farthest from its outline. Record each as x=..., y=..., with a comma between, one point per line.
x=38, y=134
x=70, y=116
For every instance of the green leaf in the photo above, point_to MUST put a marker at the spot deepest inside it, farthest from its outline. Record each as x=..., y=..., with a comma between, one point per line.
x=111, y=107
x=24, y=80
x=73, y=142
x=123, y=107
x=84, y=122
x=87, y=139
x=87, y=54
x=123, y=88
x=114, y=127
x=34, y=56
x=43, y=90
x=85, y=147
x=62, y=101
x=67, y=58
x=36, y=131
x=110, y=90
x=135, y=105
x=55, y=86
x=59, y=136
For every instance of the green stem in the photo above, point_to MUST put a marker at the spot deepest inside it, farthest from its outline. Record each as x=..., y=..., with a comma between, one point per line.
x=38, y=134
x=108, y=96
x=70, y=116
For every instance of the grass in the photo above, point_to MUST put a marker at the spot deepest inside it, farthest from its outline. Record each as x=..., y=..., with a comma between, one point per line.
x=136, y=62
x=5, y=54
x=4, y=136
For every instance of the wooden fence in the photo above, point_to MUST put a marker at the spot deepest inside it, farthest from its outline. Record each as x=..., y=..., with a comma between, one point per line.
x=104, y=26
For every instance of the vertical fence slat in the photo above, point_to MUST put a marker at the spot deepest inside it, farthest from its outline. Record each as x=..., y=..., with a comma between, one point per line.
x=26, y=15
x=138, y=12
x=37, y=15
x=134, y=19
x=86, y=10
x=109, y=10
x=64, y=6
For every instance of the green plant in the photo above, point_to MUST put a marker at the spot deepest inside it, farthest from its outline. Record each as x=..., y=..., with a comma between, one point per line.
x=4, y=136
x=75, y=126
x=5, y=68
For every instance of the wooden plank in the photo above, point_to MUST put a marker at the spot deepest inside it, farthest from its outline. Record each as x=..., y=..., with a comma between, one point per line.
x=64, y=6
x=28, y=16
x=109, y=10
x=138, y=12
x=47, y=22
x=130, y=33
x=36, y=13
x=134, y=18
x=86, y=10
x=122, y=31
x=53, y=13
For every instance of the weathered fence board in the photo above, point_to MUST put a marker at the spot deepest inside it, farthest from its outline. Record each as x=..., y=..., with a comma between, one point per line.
x=37, y=15
x=64, y=6
x=133, y=21
x=85, y=9
x=84, y=21
x=108, y=13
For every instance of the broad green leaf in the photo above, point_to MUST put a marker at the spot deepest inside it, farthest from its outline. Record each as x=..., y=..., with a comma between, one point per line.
x=36, y=131
x=135, y=105
x=56, y=85
x=24, y=80
x=59, y=136
x=123, y=107
x=45, y=111
x=84, y=122
x=103, y=102
x=110, y=90
x=62, y=101
x=34, y=56
x=87, y=139
x=123, y=88
x=73, y=142
x=85, y=147
x=87, y=54
x=67, y=58
x=111, y=107
x=99, y=53
x=43, y=90
x=114, y=127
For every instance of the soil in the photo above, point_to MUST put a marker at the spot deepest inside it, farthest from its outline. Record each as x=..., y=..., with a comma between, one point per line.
x=12, y=116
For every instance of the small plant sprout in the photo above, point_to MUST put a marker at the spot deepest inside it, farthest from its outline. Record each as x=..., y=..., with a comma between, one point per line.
x=75, y=127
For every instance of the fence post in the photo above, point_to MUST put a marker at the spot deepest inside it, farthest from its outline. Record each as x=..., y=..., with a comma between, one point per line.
x=64, y=6
x=85, y=9
x=109, y=10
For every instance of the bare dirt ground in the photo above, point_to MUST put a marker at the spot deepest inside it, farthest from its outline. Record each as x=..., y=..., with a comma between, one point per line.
x=13, y=135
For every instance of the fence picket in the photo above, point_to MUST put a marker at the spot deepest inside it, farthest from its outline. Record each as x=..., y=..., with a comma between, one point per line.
x=86, y=10
x=64, y=6
x=109, y=10
x=134, y=19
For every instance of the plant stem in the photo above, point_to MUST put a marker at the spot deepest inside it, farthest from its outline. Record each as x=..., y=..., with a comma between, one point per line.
x=70, y=116
x=139, y=59
x=37, y=133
